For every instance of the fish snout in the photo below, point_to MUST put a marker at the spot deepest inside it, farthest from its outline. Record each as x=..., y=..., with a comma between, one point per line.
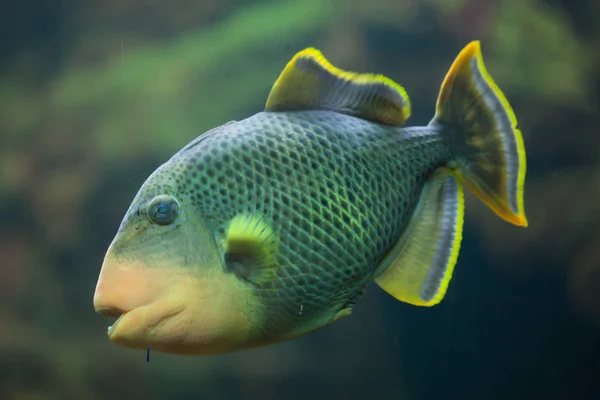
x=122, y=287
x=145, y=299
x=174, y=309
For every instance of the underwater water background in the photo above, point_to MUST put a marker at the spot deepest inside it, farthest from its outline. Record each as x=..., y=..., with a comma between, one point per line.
x=95, y=95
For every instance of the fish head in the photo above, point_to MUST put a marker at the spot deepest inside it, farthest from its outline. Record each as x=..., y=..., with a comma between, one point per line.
x=163, y=277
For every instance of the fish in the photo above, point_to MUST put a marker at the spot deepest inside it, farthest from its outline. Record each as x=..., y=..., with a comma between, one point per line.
x=265, y=229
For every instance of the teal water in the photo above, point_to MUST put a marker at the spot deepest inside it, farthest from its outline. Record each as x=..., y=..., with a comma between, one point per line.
x=93, y=97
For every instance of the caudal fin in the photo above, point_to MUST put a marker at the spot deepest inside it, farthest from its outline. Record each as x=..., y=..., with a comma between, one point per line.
x=490, y=154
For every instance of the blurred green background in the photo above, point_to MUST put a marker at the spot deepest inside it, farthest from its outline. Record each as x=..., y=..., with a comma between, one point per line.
x=95, y=95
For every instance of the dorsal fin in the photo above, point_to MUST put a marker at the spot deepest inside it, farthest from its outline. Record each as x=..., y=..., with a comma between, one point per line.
x=310, y=82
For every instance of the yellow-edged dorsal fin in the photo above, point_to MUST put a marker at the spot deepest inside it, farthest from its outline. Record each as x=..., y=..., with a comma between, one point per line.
x=418, y=268
x=310, y=82
x=251, y=248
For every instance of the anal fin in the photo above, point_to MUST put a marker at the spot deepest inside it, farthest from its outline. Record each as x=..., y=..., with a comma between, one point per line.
x=418, y=268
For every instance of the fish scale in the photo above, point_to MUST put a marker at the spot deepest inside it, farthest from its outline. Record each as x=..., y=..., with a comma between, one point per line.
x=337, y=190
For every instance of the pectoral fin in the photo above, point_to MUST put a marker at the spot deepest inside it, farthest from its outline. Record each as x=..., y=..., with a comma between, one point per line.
x=419, y=267
x=251, y=248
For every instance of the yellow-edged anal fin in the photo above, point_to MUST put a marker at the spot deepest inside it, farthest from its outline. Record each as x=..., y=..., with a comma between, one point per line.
x=251, y=248
x=310, y=82
x=419, y=267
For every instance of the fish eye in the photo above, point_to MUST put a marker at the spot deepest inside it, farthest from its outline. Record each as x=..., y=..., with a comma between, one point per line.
x=163, y=210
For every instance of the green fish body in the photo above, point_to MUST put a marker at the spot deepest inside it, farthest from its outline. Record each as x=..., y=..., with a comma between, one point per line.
x=268, y=228
x=337, y=190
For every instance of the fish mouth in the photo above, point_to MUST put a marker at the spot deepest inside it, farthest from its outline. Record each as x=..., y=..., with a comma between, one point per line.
x=111, y=327
x=111, y=312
